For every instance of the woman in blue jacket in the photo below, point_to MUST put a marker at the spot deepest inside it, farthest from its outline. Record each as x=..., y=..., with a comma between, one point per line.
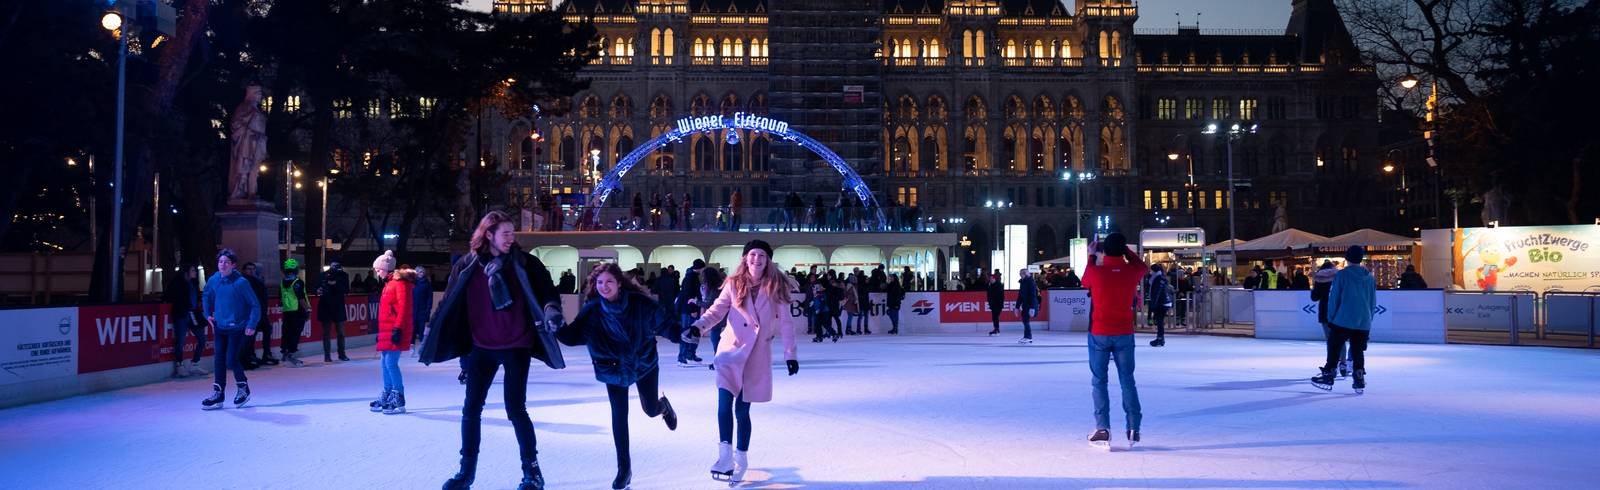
x=619, y=322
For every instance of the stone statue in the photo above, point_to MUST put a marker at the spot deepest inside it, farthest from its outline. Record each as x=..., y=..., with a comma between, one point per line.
x=249, y=144
x=1280, y=218
x=1495, y=202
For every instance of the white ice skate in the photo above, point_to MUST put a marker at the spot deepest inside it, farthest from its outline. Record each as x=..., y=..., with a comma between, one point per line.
x=722, y=470
x=1024, y=340
x=740, y=464
x=180, y=370
x=196, y=370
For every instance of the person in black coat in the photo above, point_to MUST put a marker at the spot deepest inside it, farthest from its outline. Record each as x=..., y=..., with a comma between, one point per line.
x=182, y=294
x=1322, y=284
x=1071, y=280
x=1410, y=279
x=891, y=306
x=500, y=310
x=1028, y=301
x=688, y=294
x=619, y=322
x=997, y=301
x=333, y=288
x=421, y=306
x=252, y=274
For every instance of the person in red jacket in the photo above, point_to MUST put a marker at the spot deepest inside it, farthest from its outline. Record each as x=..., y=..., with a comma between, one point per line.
x=1112, y=279
x=394, y=331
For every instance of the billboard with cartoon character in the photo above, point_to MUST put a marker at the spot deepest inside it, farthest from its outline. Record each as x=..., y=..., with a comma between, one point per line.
x=1527, y=258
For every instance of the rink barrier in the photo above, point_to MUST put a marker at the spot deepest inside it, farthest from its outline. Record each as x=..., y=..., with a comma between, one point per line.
x=1571, y=313
x=1513, y=312
x=1400, y=316
x=52, y=353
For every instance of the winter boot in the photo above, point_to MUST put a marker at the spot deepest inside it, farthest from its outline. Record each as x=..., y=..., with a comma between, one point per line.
x=469, y=469
x=327, y=357
x=1324, y=381
x=1101, y=439
x=214, y=401
x=267, y=359
x=740, y=464
x=397, y=404
x=377, y=405
x=242, y=396
x=722, y=470
x=532, y=478
x=669, y=415
x=1360, y=384
x=196, y=370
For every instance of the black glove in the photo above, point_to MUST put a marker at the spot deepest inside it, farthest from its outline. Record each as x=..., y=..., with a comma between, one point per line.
x=553, y=319
x=794, y=367
x=688, y=336
x=394, y=336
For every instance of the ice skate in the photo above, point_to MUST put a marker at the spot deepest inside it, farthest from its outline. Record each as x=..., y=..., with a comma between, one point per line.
x=722, y=470
x=740, y=464
x=268, y=360
x=377, y=405
x=1133, y=438
x=623, y=479
x=1101, y=439
x=294, y=361
x=469, y=469
x=1158, y=342
x=214, y=401
x=669, y=415
x=1324, y=381
x=994, y=333
x=397, y=404
x=242, y=396
x=180, y=370
x=196, y=370
x=1344, y=368
x=684, y=364
x=1360, y=383
x=343, y=357
x=1024, y=340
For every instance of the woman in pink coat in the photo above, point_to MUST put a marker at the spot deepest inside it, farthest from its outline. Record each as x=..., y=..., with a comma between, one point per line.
x=755, y=300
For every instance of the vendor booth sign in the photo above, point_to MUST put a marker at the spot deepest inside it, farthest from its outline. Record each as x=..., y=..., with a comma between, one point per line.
x=1527, y=258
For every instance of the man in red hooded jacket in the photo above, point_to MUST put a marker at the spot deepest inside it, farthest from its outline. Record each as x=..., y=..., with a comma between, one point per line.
x=1112, y=279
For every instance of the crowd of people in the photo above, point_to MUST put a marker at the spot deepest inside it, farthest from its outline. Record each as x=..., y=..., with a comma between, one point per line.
x=659, y=211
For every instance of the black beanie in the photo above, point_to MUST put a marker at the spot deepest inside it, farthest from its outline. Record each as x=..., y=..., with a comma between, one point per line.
x=1354, y=254
x=1116, y=245
x=755, y=244
x=698, y=264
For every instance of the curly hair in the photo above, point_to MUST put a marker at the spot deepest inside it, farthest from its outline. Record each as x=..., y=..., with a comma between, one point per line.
x=624, y=281
x=481, y=236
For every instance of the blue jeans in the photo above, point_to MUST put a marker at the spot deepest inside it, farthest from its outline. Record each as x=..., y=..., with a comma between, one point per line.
x=182, y=326
x=231, y=345
x=390, y=362
x=688, y=351
x=894, y=319
x=1102, y=349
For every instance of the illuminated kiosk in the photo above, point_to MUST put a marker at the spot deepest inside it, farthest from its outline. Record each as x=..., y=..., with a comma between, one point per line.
x=923, y=252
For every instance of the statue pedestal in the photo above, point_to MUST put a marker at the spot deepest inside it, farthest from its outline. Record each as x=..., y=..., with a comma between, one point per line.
x=250, y=229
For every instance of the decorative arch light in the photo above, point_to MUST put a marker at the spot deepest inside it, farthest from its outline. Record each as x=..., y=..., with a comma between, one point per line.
x=740, y=120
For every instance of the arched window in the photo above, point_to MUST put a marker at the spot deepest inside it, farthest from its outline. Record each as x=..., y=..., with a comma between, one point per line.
x=929, y=157
x=1105, y=45
x=1066, y=48
x=978, y=40
x=966, y=44
x=760, y=154
x=569, y=153
x=1036, y=155
x=900, y=155
x=1011, y=48
x=1014, y=158
x=1038, y=48
x=731, y=154
x=704, y=156
x=655, y=42
x=667, y=43
x=933, y=50
x=1116, y=44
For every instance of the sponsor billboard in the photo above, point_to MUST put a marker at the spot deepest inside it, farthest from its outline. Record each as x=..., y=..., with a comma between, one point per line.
x=119, y=336
x=973, y=307
x=38, y=344
x=1527, y=258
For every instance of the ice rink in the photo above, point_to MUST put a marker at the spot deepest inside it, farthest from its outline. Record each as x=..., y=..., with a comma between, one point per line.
x=946, y=411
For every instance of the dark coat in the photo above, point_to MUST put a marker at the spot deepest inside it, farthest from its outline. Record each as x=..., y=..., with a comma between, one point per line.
x=1027, y=294
x=997, y=295
x=1412, y=280
x=449, y=335
x=421, y=302
x=260, y=288
x=334, y=286
x=895, y=295
x=184, y=296
x=1071, y=280
x=1319, y=293
x=620, y=358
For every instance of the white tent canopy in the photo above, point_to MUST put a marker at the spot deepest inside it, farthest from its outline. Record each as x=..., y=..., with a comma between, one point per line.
x=1065, y=259
x=1365, y=237
x=1223, y=246
x=1286, y=239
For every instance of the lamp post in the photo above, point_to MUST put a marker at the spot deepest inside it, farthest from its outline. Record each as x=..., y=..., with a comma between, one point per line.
x=114, y=21
x=1077, y=197
x=1235, y=132
x=1408, y=82
x=994, y=209
x=1189, y=188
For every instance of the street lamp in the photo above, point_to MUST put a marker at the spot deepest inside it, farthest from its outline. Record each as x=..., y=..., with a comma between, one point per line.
x=1189, y=188
x=1077, y=197
x=994, y=207
x=112, y=21
x=1235, y=132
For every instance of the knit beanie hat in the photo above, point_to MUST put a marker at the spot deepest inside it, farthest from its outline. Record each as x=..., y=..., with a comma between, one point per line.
x=384, y=262
x=755, y=244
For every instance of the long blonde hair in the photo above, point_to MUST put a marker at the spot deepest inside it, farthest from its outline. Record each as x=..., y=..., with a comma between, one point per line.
x=773, y=282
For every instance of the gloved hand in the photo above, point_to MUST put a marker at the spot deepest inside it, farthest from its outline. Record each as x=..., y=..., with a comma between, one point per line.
x=688, y=336
x=553, y=319
x=794, y=367
x=394, y=336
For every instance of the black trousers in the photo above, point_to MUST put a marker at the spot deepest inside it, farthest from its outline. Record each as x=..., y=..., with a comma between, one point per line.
x=1337, y=337
x=335, y=327
x=294, y=322
x=994, y=316
x=649, y=400
x=481, y=365
x=1158, y=314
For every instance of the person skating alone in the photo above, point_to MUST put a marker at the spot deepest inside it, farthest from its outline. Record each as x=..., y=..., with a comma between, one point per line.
x=183, y=294
x=500, y=310
x=1322, y=282
x=1158, y=298
x=334, y=286
x=852, y=306
x=619, y=322
x=1112, y=279
x=395, y=326
x=232, y=312
x=1027, y=305
x=1351, y=300
x=296, y=309
x=996, y=294
x=755, y=302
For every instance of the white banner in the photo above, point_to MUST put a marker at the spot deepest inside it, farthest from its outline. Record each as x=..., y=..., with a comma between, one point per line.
x=1527, y=258
x=1414, y=316
x=38, y=344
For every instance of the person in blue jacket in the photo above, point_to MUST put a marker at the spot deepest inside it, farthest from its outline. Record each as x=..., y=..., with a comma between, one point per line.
x=232, y=310
x=1351, y=301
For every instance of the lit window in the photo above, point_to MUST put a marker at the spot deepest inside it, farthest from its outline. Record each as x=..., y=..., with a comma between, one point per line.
x=1219, y=199
x=1194, y=109
x=374, y=109
x=291, y=103
x=1167, y=108
x=1147, y=199
x=425, y=106
x=341, y=109
x=1220, y=110
x=1247, y=109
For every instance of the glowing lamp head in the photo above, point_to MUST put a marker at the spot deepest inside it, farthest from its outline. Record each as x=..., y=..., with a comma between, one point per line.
x=111, y=21
x=1409, y=81
x=1172, y=156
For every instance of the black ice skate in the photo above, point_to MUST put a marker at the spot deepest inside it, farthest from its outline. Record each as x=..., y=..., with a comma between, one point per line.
x=242, y=396
x=669, y=415
x=1158, y=342
x=623, y=479
x=532, y=478
x=1344, y=368
x=464, y=477
x=214, y=401
x=1360, y=384
x=377, y=405
x=1101, y=439
x=397, y=404
x=1133, y=438
x=1323, y=381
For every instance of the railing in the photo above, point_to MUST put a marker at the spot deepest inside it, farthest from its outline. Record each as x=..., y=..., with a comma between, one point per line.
x=621, y=60
x=1512, y=312
x=703, y=60
x=1567, y=313
x=720, y=219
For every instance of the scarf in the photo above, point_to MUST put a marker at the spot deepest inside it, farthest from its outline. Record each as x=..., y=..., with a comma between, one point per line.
x=499, y=293
x=611, y=315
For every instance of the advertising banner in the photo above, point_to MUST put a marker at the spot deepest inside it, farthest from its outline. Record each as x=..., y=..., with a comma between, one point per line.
x=38, y=344
x=1527, y=258
x=973, y=307
x=119, y=336
x=1400, y=316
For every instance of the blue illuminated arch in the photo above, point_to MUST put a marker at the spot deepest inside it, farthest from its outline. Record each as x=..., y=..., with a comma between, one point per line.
x=709, y=124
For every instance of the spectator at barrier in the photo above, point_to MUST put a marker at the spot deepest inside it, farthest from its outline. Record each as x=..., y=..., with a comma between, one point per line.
x=1070, y=279
x=895, y=294
x=231, y=310
x=735, y=210
x=852, y=305
x=1186, y=281
x=1351, y=301
x=686, y=208
x=671, y=208
x=1253, y=281
x=263, y=324
x=996, y=296
x=1112, y=279
x=568, y=283
x=183, y=295
x=1301, y=280
x=1028, y=301
x=1410, y=279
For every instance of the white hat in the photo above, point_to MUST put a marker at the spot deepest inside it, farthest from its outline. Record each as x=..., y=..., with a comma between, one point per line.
x=385, y=261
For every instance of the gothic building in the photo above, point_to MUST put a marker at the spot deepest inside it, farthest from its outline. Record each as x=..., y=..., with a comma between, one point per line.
x=951, y=104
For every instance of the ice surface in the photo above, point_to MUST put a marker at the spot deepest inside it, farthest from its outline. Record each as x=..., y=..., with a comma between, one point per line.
x=929, y=411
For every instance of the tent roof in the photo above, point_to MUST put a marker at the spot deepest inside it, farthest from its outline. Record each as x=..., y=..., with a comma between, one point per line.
x=1365, y=237
x=1065, y=259
x=1222, y=246
x=1286, y=239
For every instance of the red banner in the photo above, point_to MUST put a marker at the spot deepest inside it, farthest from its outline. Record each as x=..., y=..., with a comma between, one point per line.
x=973, y=307
x=119, y=336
